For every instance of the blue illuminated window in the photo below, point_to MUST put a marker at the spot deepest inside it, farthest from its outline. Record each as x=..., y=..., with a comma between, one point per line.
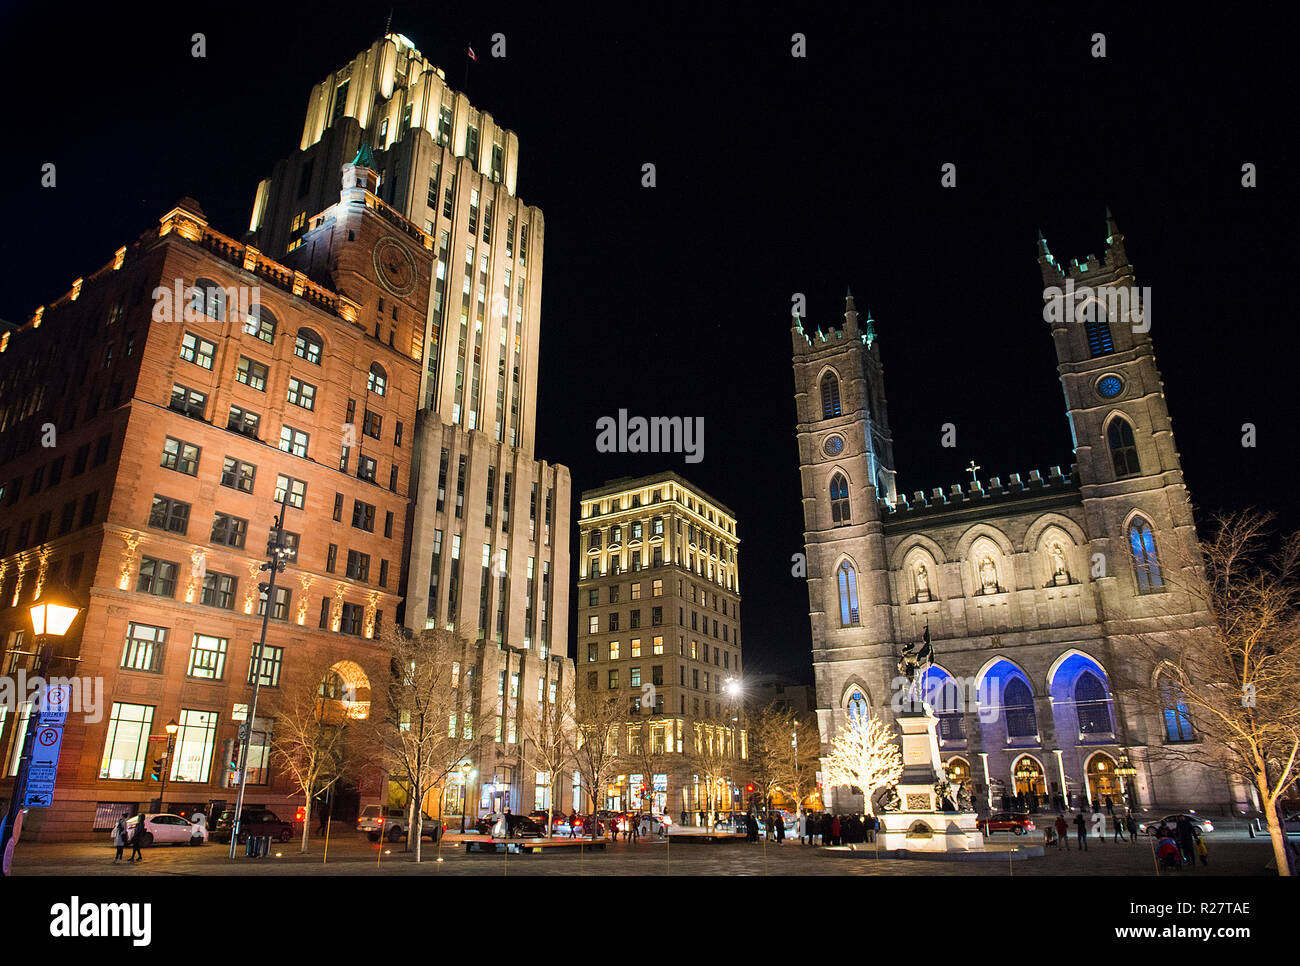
x=1108, y=387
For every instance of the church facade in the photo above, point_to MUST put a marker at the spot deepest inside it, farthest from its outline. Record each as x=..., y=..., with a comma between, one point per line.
x=1035, y=591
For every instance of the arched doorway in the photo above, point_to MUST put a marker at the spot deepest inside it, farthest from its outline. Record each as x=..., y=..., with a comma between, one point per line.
x=958, y=770
x=1102, y=780
x=1027, y=773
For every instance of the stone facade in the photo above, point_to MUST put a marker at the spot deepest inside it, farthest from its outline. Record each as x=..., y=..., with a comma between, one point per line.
x=1033, y=588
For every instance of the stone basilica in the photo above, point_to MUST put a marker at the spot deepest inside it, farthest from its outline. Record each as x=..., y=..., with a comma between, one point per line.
x=1034, y=589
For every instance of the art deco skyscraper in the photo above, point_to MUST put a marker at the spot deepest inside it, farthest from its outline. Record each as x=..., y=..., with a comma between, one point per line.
x=489, y=553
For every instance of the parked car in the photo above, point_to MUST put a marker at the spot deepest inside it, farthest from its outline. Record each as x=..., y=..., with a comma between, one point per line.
x=165, y=828
x=393, y=823
x=518, y=827
x=255, y=821
x=1017, y=823
x=1202, y=825
x=1291, y=822
x=615, y=821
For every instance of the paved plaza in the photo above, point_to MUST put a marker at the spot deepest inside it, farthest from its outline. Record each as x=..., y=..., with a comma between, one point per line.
x=1231, y=852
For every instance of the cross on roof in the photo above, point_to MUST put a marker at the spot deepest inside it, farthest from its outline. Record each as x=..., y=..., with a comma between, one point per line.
x=972, y=470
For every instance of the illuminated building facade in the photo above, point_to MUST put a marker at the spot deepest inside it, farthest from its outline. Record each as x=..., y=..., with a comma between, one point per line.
x=659, y=627
x=1034, y=590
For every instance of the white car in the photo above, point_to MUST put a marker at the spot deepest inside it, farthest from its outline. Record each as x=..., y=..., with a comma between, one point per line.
x=165, y=828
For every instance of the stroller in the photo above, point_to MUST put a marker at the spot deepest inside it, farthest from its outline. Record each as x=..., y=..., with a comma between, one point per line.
x=1168, y=854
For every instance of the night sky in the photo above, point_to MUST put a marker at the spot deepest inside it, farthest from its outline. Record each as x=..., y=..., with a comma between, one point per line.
x=776, y=175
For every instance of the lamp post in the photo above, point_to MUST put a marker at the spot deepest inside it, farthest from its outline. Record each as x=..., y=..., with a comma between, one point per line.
x=52, y=615
x=465, y=769
x=276, y=554
x=172, y=728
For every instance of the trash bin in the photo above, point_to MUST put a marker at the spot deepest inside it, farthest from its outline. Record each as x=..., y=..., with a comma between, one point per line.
x=250, y=846
x=258, y=846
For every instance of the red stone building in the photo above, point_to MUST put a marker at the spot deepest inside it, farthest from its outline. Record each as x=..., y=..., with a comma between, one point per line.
x=150, y=420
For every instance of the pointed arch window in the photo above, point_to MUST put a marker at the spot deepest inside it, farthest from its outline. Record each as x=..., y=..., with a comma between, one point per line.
x=840, y=513
x=1177, y=719
x=848, y=583
x=1091, y=704
x=830, y=396
x=857, y=710
x=1097, y=329
x=1022, y=722
x=1123, y=448
x=1146, y=565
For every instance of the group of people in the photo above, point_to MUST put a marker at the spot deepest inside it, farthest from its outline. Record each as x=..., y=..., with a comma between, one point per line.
x=825, y=828
x=124, y=835
x=1181, y=845
x=1058, y=833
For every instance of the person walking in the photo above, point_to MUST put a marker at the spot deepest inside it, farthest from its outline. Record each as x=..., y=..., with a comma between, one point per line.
x=778, y=822
x=324, y=811
x=1082, y=825
x=1186, y=840
x=137, y=840
x=1119, y=830
x=1110, y=807
x=1062, y=832
x=803, y=827
x=573, y=824
x=1201, y=851
x=636, y=828
x=119, y=837
x=1132, y=824
x=837, y=829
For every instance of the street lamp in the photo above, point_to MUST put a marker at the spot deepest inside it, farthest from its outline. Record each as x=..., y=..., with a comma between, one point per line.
x=172, y=728
x=465, y=769
x=52, y=615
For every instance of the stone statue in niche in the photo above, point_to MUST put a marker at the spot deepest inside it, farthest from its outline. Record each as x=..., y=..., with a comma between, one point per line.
x=1056, y=554
x=988, y=574
x=922, y=584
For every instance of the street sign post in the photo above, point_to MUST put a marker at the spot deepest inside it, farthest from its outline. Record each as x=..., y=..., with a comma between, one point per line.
x=44, y=765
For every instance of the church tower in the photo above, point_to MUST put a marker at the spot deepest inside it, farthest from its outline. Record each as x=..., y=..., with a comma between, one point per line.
x=1139, y=512
x=846, y=462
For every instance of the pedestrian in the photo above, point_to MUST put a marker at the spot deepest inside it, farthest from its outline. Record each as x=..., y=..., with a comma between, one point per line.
x=803, y=827
x=1132, y=824
x=873, y=823
x=323, y=824
x=1186, y=838
x=683, y=816
x=119, y=837
x=1202, y=851
x=137, y=840
x=778, y=822
x=1062, y=832
x=837, y=829
x=573, y=824
x=636, y=828
x=1110, y=807
x=1082, y=826
x=1119, y=831
x=1049, y=836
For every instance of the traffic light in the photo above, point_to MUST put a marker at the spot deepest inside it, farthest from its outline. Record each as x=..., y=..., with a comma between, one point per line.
x=749, y=789
x=156, y=772
x=232, y=765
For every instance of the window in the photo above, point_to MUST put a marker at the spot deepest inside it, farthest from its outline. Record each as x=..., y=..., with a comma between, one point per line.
x=251, y=373
x=1146, y=566
x=218, y=591
x=613, y=650
x=1177, y=718
x=194, y=745
x=358, y=565
x=308, y=346
x=1022, y=722
x=127, y=742
x=157, y=577
x=290, y=491
x=294, y=441
x=237, y=474
x=338, y=507
x=302, y=393
x=371, y=423
x=144, y=647
x=613, y=679
x=840, y=513
x=1123, y=448
x=272, y=658
x=228, y=530
x=170, y=515
x=260, y=321
x=180, y=456
x=280, y=609
x=378, y=379
x=350, y=619
x=658, y=645
x=198, y=350
x=1091, y=704
x=593, y=624
x=363, y=516
x=188, y=402
x=366, y=468
x=848, y=584
x=857, y=711
x=830, y=396
x=1098, y=331
x=208, y=657
x=243, y=422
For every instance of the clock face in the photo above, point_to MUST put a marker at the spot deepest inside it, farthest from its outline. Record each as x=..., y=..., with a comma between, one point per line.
x=1108, y=387
x=833, y=446
x=395, y=266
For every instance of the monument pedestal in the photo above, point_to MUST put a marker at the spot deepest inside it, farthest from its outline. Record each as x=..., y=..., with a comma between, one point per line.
x=919, y=825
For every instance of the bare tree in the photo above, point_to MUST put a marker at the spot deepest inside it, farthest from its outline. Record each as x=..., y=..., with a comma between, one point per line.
x=865, y=755
x=315, y=741
x=715, y=755
x=1236, y=685
x=644, y=756
x=784, y=748
x=548, y=737
x=595, y=740
x=423, y=737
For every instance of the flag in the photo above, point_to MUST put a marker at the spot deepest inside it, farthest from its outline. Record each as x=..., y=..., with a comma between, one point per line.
x=470, y=53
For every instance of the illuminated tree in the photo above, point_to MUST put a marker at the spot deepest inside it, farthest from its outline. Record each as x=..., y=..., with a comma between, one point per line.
x=864, y=755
